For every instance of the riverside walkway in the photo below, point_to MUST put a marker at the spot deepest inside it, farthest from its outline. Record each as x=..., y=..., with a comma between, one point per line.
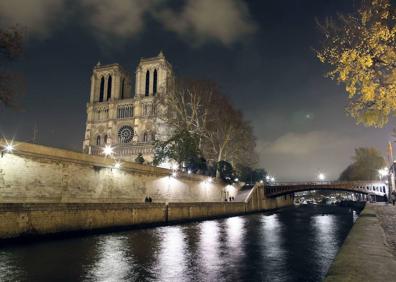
x=369, y=251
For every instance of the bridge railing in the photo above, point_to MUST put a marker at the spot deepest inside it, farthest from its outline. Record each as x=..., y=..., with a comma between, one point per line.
x=332, y=182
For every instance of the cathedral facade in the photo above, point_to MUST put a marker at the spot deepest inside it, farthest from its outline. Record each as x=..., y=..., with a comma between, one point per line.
x=125, y=119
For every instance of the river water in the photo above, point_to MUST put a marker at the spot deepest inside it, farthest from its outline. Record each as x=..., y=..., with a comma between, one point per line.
x=294, y=244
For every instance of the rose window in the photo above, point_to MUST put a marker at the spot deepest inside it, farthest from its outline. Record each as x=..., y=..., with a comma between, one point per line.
x=125, y=134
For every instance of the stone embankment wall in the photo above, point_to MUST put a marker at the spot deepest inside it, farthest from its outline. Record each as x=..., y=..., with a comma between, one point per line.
x=365, y=254
x=46, y=190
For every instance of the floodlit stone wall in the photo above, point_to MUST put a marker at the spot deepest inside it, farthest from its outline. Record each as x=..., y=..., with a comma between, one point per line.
x=33, y=174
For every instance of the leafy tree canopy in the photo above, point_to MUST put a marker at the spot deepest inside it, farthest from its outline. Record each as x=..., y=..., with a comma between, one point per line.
x=250, y=175
x=361, y=51
x=182, y=147
x=367, y=162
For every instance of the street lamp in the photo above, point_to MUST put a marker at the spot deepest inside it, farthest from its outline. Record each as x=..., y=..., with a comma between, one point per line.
x=9, y=148
x=108, y=150
x=272, y=179
x=321, y=176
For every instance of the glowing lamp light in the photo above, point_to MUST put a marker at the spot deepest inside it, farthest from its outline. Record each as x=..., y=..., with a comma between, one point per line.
x=321, y=176
x=261, y=181
x=117, y=165
x=272, y=179
x=175, y=166
x=267, y=177
x=236, y=179
x=174, y=174
x=108, y=150
x=9, y=148
x=383, y=172
x=189, y=171
x=210, y=180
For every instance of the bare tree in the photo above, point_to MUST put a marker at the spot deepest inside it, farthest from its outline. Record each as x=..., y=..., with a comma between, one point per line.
x=198, y=107
x=187, y=104
x=229, y=136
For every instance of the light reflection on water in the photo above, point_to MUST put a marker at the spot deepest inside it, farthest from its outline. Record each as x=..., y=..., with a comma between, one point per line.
x=171, y=258
x=112, y=263
x=325, y=242
x=292, y=245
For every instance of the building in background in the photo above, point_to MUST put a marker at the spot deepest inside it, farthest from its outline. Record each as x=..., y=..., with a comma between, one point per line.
x=124, y=118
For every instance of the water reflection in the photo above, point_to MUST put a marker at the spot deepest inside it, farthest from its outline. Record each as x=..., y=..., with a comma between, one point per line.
x=325, y=240
x=209, y=249
x=292, y=245
x=112, y=263
x=273, y=251
x=171, y=258
x=9, y=270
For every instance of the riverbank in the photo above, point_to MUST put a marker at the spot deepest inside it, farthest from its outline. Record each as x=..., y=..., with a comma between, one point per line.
x=20, y=220
x=368, y=253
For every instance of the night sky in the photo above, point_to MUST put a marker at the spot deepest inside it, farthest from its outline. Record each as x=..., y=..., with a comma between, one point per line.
x=260, y=52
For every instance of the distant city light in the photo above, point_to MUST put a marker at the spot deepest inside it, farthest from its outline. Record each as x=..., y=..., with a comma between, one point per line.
x=272, y=179
x=108, y=150
x=267, y=177
x=189, y=171
x=261, y=181
x=321, y=176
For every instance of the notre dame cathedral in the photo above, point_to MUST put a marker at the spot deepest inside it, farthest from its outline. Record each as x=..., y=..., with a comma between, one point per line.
x=116, y=117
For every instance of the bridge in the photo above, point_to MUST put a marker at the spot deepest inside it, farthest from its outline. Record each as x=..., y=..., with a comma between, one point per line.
x=378, y=188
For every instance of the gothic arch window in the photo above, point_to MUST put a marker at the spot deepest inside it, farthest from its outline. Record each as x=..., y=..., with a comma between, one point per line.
x=145, y=137
x=101, y=91
x=98, y=140
x=155, y=83
x=122, y=88
x=147, y=90
x=152, y=136
x=105, y=139
x=109, y=81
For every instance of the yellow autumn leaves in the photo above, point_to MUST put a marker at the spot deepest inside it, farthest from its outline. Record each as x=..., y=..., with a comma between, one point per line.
x=361, y=49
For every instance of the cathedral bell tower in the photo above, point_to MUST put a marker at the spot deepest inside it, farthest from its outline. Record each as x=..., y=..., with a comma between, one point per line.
x=116, y=118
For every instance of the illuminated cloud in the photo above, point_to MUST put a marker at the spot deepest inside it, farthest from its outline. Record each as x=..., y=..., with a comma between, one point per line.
x=198, y=21
x=297, y=144
x=38, y=17
x=300, y=156
x=226, y=21
x=121, y=18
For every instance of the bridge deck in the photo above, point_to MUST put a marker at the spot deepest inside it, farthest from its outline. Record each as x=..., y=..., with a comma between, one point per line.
x=365, y=187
